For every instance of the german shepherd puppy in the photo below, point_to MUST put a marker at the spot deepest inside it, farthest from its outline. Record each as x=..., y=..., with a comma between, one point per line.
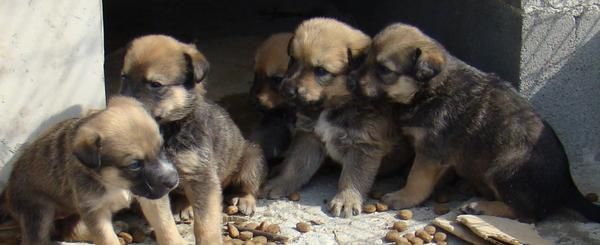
x=464, y=120
x=201, y=140
x=274, y=130
x=354, y=133
x=92, y=167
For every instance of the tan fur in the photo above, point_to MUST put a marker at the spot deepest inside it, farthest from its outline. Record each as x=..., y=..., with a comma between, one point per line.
x=270, y=61
x=54, y=177
x=206, y=147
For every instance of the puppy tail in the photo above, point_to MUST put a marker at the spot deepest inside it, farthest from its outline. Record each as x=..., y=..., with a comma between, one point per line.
x=583, y=206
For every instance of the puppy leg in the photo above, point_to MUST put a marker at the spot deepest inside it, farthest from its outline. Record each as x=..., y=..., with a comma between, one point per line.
x=158, y=213
x=494, y=208
x=99, y=223
x=420, y=183
x=204, y=193
x=304, y=157
x=36, y=222
x=358, y=173
x=252, y=174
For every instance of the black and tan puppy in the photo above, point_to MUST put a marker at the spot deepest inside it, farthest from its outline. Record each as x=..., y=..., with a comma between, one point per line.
x=471, y=122
x=92, y=167
x=274, y=130
x=201, y=140
x=355, y=133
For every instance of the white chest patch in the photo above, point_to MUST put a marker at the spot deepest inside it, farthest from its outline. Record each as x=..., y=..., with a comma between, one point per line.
x=114, y=199
x=328, y=133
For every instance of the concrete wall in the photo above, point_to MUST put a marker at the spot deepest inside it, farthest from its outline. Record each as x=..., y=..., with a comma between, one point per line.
x=560, y=74
x=51, y=55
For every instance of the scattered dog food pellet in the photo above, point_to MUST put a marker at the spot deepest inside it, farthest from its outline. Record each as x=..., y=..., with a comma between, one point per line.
x=274, y=228
x=126, y=237
x=237, y=242
x=400, y=226
x=592, y=197
x=405, y=214
x=430, y=229
x=410, y=236
x=260, y=240
x=439, y=236
x=442, y=197
x=251, y=226
x=137, y=234
x=231, y=210
x=233, y=231
x=377, y=195
x=402, y=241
x=295, y=196
x=392, y=236
x=440, y=209
x=263, y=226
x=380, y=207
x=417, y=241
x=303, y=227
x=424, y=235
x=227, y=238
x=248, y=243
x=246, y=235
x=369, y=208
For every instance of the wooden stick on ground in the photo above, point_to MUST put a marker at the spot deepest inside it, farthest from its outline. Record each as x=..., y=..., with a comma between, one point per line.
x=269, y=236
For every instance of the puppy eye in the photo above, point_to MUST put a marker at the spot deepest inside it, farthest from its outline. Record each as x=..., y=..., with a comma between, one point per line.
x=136, y=165
x=383, y=70
x=154, y=84
x=320, y=71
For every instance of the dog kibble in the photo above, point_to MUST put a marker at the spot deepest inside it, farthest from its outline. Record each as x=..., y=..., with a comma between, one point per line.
x=440, y=209
x=233, y=231
x=442, y=198
x=251, y=225
x=246, y=235
x=369, y=208
x=237, y=242
x=400, y=226
x=405, y=214
x=424, y=235
x=137, y=234
x=402, y=241
x=592, y=197
x=377, y=195
x=231, y=210
x=260, y=240
x=263, y=226
x=417, y=241
x=380, y=207
x=126, y=237
x=295, y=196
x=439, y=236
x=430, y=229
x=392, y=236
x=303, y=227
x=274, y=228
x=227, y=238
x=248, y=243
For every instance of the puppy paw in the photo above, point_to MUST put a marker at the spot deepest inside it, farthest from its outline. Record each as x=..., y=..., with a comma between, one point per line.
x=246, y=204
x=186, y=214
x=397, y=200
x=346, y=203
x=278, y=188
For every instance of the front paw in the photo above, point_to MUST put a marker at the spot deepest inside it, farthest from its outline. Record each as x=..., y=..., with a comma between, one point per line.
x=279, y=187
x=246, y=204
x=398, y=200
x=346, y=203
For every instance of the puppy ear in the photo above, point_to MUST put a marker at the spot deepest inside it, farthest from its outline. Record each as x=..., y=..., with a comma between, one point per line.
x=289, y=46
x=87, y=148
x=197, y=65
x=427, y=63
x=355, y=62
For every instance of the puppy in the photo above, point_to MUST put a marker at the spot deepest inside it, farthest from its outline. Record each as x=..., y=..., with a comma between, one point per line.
x=274, y=130
x=202, y=141
x=474, y=123
x=92, y=167
x=355, y=133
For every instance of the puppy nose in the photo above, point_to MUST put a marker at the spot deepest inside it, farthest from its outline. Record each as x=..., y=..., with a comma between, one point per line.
x=290, y=91
x=170, y=181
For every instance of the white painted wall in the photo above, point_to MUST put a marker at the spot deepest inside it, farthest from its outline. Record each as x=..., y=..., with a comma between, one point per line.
x=51, y=58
